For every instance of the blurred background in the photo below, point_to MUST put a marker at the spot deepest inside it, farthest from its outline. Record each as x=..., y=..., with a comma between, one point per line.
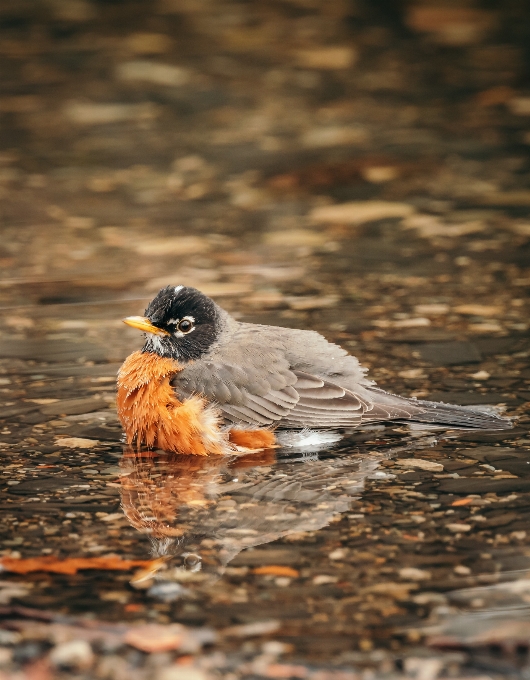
x=359, y=167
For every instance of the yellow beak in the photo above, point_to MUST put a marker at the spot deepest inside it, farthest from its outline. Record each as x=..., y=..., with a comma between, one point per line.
x=143, y=324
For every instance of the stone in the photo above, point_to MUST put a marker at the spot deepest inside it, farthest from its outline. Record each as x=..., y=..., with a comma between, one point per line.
x=414, y=574
x=72, y=654
x=77, y=443
x=167, y=75
x=148, y=43
x=433, y=309
x=458, y=527
x=432, y=226
x=421, y=464
x=92, y=113
x=451, y=24
x=333, y=136
x=520, y=106
x=359, y=212
x=295, y=238
x=327, y=58
x=449, y=353
x=478, y=310
x=153, y=637
x=172, y=245
x=180, y=672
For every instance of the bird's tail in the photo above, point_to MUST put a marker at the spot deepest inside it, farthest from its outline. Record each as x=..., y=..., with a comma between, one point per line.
x=458, y=416
x=386, y=406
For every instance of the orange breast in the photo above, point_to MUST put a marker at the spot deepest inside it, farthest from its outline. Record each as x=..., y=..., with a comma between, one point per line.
x=151, y=414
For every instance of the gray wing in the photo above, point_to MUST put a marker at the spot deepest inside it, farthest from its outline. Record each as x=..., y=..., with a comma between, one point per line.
x=265, y=376
x=257, y=380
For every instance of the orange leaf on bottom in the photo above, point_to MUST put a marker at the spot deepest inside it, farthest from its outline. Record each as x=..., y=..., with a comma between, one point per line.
x=70, y=565
x=276, y=570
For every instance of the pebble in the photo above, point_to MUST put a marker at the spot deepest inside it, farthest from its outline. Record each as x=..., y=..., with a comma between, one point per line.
x=458, y=527
x=302, y=303
x=421, y=464
x=152, y=72
x=181, y=672
x=91, y=113
x=379, y=174
x=480, y=375
x=450, y=25
x=148, y=43
x=172, y=245
x=478, y=310
x=152, y=637
x=359, y=212
x=294, y=238
x=520, y=106
x=323, y=579
x=432, y=309
x=77, y=442
x=72, y=10
x=333, y=136
x=429, y=226
x=327, y=58
x=72, y=654
x=414, y=574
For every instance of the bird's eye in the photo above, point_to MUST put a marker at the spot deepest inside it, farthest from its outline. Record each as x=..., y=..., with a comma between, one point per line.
x=185, y=326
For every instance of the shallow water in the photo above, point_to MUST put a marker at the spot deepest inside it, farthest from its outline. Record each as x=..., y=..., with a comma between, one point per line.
x=393, y=553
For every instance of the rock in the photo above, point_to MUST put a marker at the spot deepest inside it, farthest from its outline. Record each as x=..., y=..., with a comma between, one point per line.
x=450, y=25
x=480, y=375
x=413, y=574
x=327, y=58
x=333, y=136
x=72, y=10
x=421, y=464
x=153, y=637
x=359, y=212
x=181, y=672
x=90, y=113
x=337, y=554
x=478, y=310
x=520, y=106
x=172, y=245
x=324, y=579
x=148, y=43
x=152, y=72
x=378, y=174
x=433, y=309
x=77, y=443
x=72, y=654
x=430, y=226
x=295, y=238
x=449, y=353
x=302, y=303
x=253, y=629
x=458, y=527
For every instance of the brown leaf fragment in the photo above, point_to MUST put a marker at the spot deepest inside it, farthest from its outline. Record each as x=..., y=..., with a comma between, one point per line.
x=70, y=565
x=276, y=570
x=154, y=637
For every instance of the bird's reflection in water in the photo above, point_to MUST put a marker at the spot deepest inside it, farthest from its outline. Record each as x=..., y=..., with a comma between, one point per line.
x=200, y=512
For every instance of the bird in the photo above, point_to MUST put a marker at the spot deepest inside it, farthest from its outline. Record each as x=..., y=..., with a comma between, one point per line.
x=205, y=383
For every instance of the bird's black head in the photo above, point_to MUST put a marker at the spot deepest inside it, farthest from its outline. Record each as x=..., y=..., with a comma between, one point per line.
x=180, y=323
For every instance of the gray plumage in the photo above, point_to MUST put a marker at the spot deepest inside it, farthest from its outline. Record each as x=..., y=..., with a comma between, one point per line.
x=266, y=376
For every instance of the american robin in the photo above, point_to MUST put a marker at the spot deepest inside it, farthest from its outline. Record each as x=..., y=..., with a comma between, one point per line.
x=205, y=383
